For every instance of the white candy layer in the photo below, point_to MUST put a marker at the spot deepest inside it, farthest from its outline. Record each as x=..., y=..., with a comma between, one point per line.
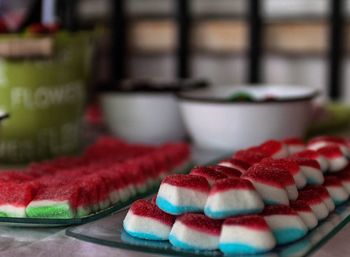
x=238, y=199
x=193, y=237
x=39, y=203
x=124, y=193
x=261, y=239
x=323, y=163
x=346, y=185
x=226, y=164
x=317, y=145
x=292, y=192
x=300, y=179
x=329, y=203
x=271, y=194
x=345, y=150
x=338, y=194
x=282, y=153
x=150, y=226
x=180, y=196
x=13, y=211
x=313, y=174
x=114, y=196
x=320, y=210
x=292, y=149
x=230, y=165
x=285, y=221
x=337, y=164
x=104, y=204
x=309, y=219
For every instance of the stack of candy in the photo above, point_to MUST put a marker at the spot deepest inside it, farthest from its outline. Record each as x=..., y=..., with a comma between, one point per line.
x=108, y=173
x=263, y=196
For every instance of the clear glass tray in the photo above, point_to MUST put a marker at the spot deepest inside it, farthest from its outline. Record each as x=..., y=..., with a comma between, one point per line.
x=109, y=231
x=48, y=222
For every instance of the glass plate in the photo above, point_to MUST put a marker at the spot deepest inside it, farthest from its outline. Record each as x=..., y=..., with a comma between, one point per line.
x=109, y=231
x=47, y=222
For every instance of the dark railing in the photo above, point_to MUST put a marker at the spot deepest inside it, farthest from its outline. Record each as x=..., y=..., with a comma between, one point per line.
x=119, y=41
x=255, y=42
x=336, y=48
x=183, y=46
x=254, y=54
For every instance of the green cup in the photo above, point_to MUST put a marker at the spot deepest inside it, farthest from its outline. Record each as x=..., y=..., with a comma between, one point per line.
x=45, y=99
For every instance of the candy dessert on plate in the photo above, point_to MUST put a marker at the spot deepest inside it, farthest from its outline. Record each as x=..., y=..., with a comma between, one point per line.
x=109, y=173
x=146, y=220
x=262, y=197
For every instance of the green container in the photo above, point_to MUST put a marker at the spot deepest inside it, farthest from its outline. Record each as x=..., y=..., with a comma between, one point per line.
x=45, y=99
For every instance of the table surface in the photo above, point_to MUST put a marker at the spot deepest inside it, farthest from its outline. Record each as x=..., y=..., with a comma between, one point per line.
x=42, y=242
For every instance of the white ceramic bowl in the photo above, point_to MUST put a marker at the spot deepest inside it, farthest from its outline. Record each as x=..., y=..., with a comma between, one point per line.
x=215, y=122
x=145, y=117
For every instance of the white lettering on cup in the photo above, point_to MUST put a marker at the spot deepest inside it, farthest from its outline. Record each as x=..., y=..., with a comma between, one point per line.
x=45, y=97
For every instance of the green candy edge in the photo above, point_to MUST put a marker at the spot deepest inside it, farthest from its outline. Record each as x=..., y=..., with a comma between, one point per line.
x=63, y=211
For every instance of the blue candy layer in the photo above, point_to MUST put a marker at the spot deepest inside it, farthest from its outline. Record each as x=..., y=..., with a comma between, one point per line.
x=240, y=248
x=144, y=235
x=312, y=181
x=228, y=213
x=173, y=209
x=339, y=201
x=296, y=249
x=287, y=235
x=178, y=243
x=271, y=202
x=139, y=241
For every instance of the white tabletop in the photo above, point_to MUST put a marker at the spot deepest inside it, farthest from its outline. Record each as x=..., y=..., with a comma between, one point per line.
x=55, y=244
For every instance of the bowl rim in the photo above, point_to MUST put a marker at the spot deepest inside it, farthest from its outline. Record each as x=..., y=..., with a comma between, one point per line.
x=176, y=85
x=314, y=92
x=129, y=93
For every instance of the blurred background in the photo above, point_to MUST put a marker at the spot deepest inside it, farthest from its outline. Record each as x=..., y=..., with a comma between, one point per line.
x=58, y=57
x=295, y=41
